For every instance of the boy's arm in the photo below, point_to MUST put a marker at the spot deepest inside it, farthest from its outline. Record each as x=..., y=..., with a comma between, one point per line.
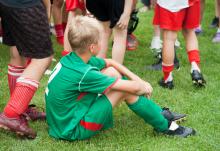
x=125, y=16
x=122, y=69
x=126, y=72
x=133, y=87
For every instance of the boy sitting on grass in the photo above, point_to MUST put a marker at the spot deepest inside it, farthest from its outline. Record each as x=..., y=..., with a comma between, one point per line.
x=83, y=90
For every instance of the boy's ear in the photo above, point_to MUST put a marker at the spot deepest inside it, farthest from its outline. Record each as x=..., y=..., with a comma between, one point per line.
x=91, y=48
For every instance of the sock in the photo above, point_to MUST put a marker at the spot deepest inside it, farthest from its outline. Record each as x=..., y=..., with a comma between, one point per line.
x=59, y=33
x=218, y=31
x=21, y=97
x=13, y=73
x=65, y=52
x=28, y=61
x=194, y=59
x=64, y=26
x=150, y=112
x=167, y=72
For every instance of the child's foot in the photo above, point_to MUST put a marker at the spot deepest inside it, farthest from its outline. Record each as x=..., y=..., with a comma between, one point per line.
x=172, y=116
x=132, y=42
x=32, y=113
x=197, y=78
x=17, y=125
x=216, y=39
x=168, y=84
x=158, y=65
x=215, y=22
x=198, y=30
x=180, y=131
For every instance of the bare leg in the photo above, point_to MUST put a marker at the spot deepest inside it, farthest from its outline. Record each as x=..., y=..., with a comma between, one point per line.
x=119, y=46
x=105, y=36
x=169, y=38
x=191, y=39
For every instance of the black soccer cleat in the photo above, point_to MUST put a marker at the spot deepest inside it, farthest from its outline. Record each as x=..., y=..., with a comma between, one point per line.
x=164, y=84
x=197, y=78
x=181, y=131
x=172, y=116
x=215, y=22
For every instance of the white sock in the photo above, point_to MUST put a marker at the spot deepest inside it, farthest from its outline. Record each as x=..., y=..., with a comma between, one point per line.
x=173, y=126
x=194, y=66
x=218, y=31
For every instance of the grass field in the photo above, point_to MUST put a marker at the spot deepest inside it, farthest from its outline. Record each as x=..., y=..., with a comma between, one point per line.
x=131, y=133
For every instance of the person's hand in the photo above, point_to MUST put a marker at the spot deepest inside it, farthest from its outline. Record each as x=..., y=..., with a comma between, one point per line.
x=123, y=21
x=148, y=89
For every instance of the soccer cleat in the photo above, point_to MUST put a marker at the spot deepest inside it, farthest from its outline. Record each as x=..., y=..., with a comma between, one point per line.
x=215, y=22
x=216, y=39
x=181, y=131
x=33, y=114
x=17, y=125
x=132, y=42
x=164, y=84
x=172, y=116
x=197, y=78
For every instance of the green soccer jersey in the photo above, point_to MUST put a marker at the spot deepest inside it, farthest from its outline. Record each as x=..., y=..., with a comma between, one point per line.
x=72, y=88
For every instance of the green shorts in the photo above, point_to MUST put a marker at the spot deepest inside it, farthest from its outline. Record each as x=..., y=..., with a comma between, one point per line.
x=99, y=117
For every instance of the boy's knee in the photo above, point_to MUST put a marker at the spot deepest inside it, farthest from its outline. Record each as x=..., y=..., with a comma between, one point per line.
x=112, y=72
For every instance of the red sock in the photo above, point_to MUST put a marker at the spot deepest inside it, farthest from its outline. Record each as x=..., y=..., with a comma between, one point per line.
x=13, y=73
x=59, y=33
x=64, y=26
x=65, y=52
x=21, y=97
x=167, y=69
x=193, y=56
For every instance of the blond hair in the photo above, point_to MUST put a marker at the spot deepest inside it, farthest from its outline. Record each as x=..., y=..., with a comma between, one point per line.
x=83, y=31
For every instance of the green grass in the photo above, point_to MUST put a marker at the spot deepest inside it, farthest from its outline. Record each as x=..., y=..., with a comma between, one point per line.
x=130, y=133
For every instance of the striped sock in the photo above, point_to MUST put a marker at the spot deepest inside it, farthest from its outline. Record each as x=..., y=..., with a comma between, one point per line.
x=14, y=72
x=194, y=59
x=167, y=72
x=59, y=33
x=21, y=97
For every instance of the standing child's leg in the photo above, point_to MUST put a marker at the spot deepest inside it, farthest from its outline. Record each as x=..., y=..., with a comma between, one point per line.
x=193, y=55
x=57, y=16
x=105, y=36
x=119, y=46
x=216, y=39
x=169, y=38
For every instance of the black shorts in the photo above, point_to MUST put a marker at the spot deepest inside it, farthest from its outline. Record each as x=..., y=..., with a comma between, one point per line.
x=28, y=30
x=106, y=10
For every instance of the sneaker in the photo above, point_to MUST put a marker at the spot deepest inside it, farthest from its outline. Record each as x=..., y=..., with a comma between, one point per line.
x=132, y=42
x=164, y=84
x=197, y=78
x=216, y=39
x=33, y=114
x=172, y=116
x=181, y=131
x=215, y=22
x=17, y=125
x=198, y=31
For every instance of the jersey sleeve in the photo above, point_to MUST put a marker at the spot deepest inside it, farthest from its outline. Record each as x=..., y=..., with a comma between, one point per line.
x=97, y=62
x=94, y=81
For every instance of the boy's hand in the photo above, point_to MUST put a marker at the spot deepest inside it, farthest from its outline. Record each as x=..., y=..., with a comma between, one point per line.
x=123, y=21
x=148, y=88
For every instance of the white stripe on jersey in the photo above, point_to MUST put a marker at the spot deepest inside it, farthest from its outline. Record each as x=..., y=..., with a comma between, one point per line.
x=173, y=5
